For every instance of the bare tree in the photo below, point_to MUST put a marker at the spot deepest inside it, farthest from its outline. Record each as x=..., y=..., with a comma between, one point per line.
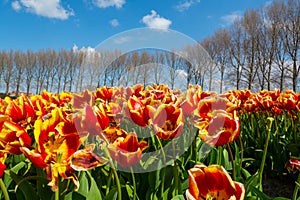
x=8, y=69
x=290, y=21
x=29, y=65
x=251, y=24
x=237, y=57
x=222, y=42
x=210, y=46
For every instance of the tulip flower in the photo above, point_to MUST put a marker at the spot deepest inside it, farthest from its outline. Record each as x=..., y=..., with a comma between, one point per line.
x=57, y=140
x=167, y=121
x=192, y=98
x=104, y=93
x=287, y=100
x=20, y=110
x=293, y=165
x=127, y=151
x=91, y=120
x=112, y=133
x=2, y=163
x=85, y=159
x=220, y=128
x=80, y=100
x=12, y=136
x=212, y=182
x=136, y=110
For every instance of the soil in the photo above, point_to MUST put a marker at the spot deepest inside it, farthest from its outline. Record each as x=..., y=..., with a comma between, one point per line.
x=275, y=187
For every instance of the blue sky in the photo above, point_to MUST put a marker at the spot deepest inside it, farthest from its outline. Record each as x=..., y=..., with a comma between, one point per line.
x=56, y=24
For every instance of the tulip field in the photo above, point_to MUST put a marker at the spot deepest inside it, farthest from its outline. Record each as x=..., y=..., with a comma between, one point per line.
x=151, y=142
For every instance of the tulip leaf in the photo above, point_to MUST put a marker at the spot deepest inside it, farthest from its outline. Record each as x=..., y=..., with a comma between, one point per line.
x=94, y=192
x=260, y=194
x=42, y=189
x=112, y=195
x=227, y=164
x=74, y=195
x=178, y=197
x=282, y=198
x=129, y=191
x=252, y=182
x=245, y=173
x=154, y=179
x=26, y=188
x=15, y=169
x=84, y=185
x=148, y=162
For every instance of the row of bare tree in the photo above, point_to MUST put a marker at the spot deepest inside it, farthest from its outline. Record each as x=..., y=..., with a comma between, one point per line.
x=260, y=50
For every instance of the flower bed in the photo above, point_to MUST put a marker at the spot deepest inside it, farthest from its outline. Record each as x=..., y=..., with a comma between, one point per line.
x=147, y=143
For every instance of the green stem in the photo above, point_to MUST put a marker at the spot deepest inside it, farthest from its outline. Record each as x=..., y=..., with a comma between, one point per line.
x=262, y=165
x=134, y=184
x=57, y=190
x=232, y=162
x=175, y=170
x=242, y=153
x=108, y=182
x=115, y=173
x=295, y=193
x=4, y=190
x=176, y=178
x=220, y=154
x=163, y=171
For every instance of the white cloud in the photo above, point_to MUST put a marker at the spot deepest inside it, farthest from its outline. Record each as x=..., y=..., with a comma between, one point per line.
x=16, y=5
x=45, y=8
x=109, y=3
x=229, y=19
x=154, y=21
x=114, y=22
x=121, y=40
x=185, y=5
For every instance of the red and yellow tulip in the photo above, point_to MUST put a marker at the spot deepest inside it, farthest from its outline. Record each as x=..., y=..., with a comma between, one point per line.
x=212, y=182
x=57, y=140
x=127, y=151
x=12, y=136
x=167, y=121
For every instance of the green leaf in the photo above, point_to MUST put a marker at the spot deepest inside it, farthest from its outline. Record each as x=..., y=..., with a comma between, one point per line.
x=185, y=184
x=84, y=185
x=74, y=195
x=112, y=195
x=165, y=194
x=252, y=182
x=178, y=197
x=246, y=173
x=43, y=190
x=129, y=191
x=154, y=179
x=149, y=162
x=7, y=179
x=94, y=192
x=282, y=198
x=26, y=188
x=260, y=194
x=227, y=164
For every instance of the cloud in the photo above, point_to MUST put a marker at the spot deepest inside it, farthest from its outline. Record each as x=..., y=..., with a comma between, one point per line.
x=16, y=5
x=185, y=5
x=45, y=8
x=229, y=19
x=121, y=40
x=114, y=22
x=154, y=21
x=109, y=3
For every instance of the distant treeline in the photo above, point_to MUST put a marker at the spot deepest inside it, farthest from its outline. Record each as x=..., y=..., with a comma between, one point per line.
x=260, y=50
